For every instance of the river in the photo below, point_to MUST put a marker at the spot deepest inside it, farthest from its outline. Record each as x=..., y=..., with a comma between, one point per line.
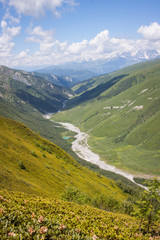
x=82, y=149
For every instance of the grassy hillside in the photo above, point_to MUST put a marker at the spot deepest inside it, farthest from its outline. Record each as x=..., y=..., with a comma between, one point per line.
x=34, y=165
x=27, y=217
x=122, y=120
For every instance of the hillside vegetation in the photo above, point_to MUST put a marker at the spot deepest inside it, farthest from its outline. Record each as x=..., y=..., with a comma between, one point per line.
x=120, y=112
x=31, y=217
x=11, y=106
x=34, y=165
x=25, y=97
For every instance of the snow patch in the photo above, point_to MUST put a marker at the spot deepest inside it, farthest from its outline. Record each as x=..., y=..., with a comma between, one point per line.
x=143, y=91
x=138, y=107
x=131, y=103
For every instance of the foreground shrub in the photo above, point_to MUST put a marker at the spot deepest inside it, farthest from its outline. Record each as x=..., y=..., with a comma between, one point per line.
x=27, y=217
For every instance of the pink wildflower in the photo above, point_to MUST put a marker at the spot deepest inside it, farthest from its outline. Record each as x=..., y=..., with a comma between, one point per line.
x=31, y=230
x=62, y=227
x=40, y=220
x=11, y=234
x=94, y=237
x=43, y=230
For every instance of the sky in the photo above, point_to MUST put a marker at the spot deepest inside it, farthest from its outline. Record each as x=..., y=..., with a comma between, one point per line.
x=39, y=33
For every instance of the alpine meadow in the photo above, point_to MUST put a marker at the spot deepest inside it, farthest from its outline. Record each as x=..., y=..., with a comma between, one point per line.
x=79, y=120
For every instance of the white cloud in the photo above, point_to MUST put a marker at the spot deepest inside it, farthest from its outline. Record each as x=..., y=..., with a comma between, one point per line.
x=22, y=54
x=46, y=35
x=76, y=48
x=6, y=43
x=13, y=31
x=3, y=24
x=100, y=38
x=52, y=51
x=38, y=7
x=151, y=32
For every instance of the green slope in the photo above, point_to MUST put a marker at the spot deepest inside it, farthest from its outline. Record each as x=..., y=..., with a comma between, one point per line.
x=123, y=120
x=24, y=97
x=34, y=165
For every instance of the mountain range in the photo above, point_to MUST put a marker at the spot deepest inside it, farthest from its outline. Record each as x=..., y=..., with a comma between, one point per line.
x=71, y=73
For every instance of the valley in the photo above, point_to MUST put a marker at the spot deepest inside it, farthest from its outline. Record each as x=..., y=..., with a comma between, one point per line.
x=123, y=120
x=82, y=149
x=55, y=177
x=79, y=120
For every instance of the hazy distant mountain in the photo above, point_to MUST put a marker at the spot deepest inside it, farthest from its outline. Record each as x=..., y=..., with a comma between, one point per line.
x=72, y=73
x=67, y=82
x=80, y=71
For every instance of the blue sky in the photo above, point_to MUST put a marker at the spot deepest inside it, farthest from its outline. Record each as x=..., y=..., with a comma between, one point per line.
x=45, y=32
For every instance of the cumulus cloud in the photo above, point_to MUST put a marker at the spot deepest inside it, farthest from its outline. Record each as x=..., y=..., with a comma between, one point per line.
x=100, y=38
x=52, y=51
x=151, y=32
x=6, y=42
x=76, y=48
x=3, y=24
x=40, y=35
x=38, y=7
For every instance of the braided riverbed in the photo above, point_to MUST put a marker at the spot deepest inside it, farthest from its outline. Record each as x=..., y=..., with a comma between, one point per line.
x=82, y=149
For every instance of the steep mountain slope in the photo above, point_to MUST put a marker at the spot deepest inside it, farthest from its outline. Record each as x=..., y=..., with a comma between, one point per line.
x=34, y=165
x=121, y=113
x=64, y=81
x=24, y=98
x=21, y=88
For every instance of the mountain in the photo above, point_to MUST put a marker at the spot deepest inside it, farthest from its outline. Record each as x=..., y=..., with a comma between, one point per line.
x=26, y=90
x=65, y=81
x=11, y=106
x=71, y=73
x=25, y=98
x=120, y=112
x=79, y=71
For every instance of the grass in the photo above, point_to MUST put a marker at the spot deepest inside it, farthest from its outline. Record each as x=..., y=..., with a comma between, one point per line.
x=32, y=164
x=113, y=129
